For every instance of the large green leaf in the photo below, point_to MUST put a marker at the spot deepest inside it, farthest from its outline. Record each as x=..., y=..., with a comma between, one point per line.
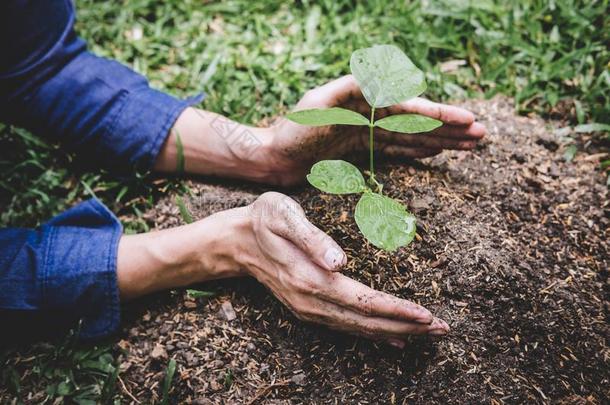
x=336, y=177
x=384, y=222
x=386, y=75
x=327, y=116
x=408, y=123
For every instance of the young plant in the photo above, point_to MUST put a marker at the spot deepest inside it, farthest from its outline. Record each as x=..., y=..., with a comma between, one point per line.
x=386, y=76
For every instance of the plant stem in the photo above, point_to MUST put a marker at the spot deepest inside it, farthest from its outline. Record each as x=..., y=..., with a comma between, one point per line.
x=371, y=157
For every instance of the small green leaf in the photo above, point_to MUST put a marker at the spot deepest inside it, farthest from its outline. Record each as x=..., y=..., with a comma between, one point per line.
x=570, y=152
x=336, y=177
x=167, y=382
x=64, y=388
x=408, y=123
x=200, y=294
x=593, y=127
x=386, y=75
x=384, y=222
x=317, y=117
x=184, y=211
x=228, y=379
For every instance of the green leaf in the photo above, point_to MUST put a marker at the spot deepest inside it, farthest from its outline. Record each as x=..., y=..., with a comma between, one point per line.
x=184, y=211
x=408, y=123
x=317, y=117
x=64, y=388
x=569, y=153
x=108, y=388
x=593, y=127
x=167, y=382
x=384, y=222
x=228, y=379
x=200, y=294
x=386, y=75
x=336, y=177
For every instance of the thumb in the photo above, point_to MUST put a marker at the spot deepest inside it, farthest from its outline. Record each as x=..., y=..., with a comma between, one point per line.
x=331, y=94
x=292, y=225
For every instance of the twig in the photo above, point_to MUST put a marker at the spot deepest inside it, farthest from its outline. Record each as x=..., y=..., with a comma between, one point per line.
x=264, y=391
x=126, y=391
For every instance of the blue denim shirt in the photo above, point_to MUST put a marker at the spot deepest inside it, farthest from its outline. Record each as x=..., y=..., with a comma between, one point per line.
x=64, y=272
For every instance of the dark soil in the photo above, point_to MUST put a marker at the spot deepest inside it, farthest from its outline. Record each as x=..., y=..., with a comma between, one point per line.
x=511, y=251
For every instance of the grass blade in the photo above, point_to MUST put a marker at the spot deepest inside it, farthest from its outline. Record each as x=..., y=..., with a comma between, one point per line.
x=167, y=382
x=180, y=151
x=184, y=211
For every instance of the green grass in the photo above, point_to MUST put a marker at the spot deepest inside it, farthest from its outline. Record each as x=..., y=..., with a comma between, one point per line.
x=255, y=59
x=65, y=370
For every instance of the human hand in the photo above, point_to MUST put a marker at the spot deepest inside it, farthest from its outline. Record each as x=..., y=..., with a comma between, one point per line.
x=299, y=264
x=283, y=153
x=272, y=241
x=296, y=147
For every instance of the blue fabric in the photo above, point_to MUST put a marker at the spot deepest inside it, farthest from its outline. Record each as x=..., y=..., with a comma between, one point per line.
x=65, y=269
x=50, y=84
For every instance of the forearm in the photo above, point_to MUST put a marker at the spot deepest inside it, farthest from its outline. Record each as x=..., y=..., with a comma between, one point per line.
x=215, y=145
x=179, y=256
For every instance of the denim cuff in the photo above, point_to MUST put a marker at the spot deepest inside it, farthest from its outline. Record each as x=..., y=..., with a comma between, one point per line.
x=79, y=277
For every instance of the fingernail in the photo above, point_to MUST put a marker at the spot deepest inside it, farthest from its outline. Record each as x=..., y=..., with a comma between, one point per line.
x=334, y=258
x=437, y=332
x=424, y=316
x=399, y=344
x=439, y=327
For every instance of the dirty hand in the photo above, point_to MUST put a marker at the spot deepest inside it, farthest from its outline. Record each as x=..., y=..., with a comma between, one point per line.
x=272, y=241
x=299, y=263
x=296, y=147
x=283, y=153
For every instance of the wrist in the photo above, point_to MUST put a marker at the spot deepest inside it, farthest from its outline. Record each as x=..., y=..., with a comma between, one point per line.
x=253, y=153
x=222, y=253
x=215, y=145
x=177, y=257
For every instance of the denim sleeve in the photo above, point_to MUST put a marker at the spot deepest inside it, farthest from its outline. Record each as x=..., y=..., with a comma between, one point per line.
x=62, y=274
x=100, y=109
x=65, y=271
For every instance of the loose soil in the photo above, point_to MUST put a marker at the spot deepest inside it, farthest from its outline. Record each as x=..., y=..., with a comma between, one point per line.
x=511, y=251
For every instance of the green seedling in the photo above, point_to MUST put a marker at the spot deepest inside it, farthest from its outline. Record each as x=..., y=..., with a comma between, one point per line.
x=184, y=211
x=200, y=294
x=167, y=381
x=386, y=77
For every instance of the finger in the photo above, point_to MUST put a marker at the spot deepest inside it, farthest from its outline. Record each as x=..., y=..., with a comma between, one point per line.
x=447, y=113
x=476, y=130
x=292, y=225
x=331, y=94
x=374, y=327
x=425, y=141
x=344, y=291
x=406, y=152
